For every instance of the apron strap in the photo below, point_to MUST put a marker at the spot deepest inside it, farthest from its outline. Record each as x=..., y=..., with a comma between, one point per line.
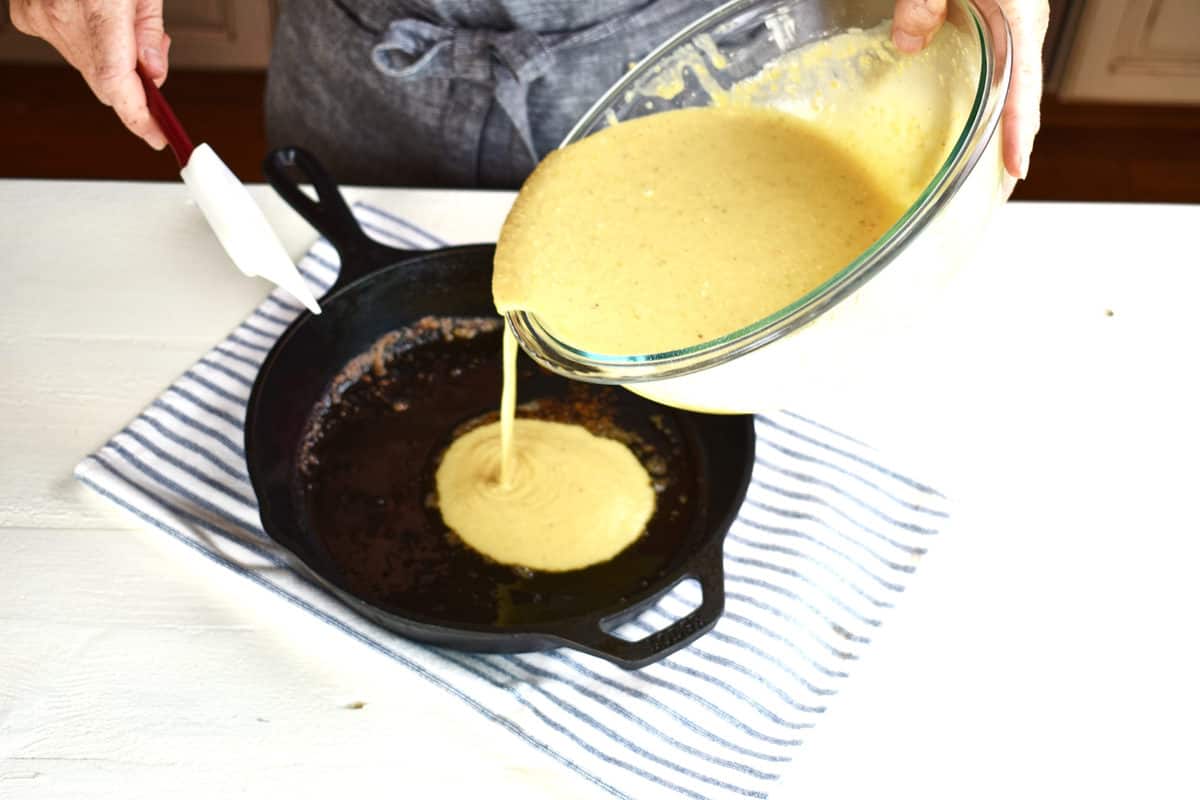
x=507, y=61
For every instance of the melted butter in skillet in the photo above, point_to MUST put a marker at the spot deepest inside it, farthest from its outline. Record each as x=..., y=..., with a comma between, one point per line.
x=368, y=480
x=543, y=495
x=673, y=229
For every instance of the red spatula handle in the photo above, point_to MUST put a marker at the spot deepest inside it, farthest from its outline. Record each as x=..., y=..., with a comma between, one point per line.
x=159, y=109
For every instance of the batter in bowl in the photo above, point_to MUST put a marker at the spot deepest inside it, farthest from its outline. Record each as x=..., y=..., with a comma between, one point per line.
x=679, y=227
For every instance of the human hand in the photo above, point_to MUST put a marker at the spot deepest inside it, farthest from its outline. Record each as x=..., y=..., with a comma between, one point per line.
x=105, y=40
x=916, y=21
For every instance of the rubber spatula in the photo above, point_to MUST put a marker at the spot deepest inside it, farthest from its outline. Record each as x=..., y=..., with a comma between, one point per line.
x=231, y=212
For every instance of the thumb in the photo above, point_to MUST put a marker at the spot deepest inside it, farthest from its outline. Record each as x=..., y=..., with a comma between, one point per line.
x=151, y=39
x=915, y=22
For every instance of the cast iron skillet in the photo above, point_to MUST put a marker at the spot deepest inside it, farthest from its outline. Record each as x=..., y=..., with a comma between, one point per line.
x=341, y=457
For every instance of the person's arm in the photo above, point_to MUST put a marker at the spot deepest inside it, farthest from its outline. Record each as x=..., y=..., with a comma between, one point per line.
x=914, y=24
x=105, y=40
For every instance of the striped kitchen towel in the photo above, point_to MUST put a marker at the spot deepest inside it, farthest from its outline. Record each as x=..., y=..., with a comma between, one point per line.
x=826, y=541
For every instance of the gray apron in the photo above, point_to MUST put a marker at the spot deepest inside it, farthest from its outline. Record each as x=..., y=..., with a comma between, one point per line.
x=450, y=93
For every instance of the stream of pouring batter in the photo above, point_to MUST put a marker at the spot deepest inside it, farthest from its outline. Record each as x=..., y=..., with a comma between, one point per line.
x=508, y=409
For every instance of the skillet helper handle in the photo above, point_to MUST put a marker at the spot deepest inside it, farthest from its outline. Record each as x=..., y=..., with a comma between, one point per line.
x=709, y=571
x=329, y=214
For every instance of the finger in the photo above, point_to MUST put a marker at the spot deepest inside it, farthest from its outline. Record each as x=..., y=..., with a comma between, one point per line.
x=166, y=54
x=112, y=73
x=1022, y=111
x=111, y=48
x=915, y=22
x=62, y=26
x=30, y=17
x=21, y=13
x=129, y=101
x=1020, y=122
x=150, y=37
x=1013, y=143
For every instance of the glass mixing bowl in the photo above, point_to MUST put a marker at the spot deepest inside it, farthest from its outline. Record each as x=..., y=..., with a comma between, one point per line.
x=820, y=346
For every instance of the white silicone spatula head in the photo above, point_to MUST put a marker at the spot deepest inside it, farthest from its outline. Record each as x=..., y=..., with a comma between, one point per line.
x=231, y=212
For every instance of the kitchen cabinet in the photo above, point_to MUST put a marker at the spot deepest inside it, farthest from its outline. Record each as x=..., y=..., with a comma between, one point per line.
x=1134, y=51
x=205, y=34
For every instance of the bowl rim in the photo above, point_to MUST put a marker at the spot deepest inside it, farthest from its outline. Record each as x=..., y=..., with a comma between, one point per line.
x=982, y=124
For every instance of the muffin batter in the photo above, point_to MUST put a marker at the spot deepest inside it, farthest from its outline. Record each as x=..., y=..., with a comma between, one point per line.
x=673, y=229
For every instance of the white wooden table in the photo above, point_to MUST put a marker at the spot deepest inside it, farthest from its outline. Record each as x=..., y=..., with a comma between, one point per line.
x=1049, y=646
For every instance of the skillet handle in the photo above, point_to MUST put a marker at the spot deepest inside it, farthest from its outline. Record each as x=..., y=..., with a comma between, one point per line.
x=708, y=569
x=360, y=254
